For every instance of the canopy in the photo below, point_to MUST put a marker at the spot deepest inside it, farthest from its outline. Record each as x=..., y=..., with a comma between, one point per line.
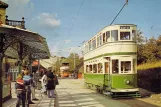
x=32, y=42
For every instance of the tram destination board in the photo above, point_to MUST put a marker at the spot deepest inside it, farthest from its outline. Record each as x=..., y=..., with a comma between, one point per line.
x=124, y=27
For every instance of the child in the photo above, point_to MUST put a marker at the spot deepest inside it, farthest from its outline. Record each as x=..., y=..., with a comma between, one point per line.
x=20, y=89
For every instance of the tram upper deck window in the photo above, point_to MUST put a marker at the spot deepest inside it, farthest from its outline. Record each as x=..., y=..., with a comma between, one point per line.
x=94, y=43
x=124, y=35
x=100, y=37
x=104, y=38
x=98, y=41
x=125, y=66
x=108, y=36
x=114, y=35
x=134, y=35
x=86, y=49
x=115, y=66
x=90, y=46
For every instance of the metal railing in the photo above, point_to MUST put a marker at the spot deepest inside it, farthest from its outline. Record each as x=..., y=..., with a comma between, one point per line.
x=15, y=23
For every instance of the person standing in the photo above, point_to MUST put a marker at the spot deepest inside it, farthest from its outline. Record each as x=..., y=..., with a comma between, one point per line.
x=33, y=85
x=50, y=84
x=44, y=82
x=20, y=90
x=28, y=82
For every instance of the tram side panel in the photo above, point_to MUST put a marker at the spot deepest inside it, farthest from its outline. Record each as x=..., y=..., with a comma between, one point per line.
x=94, y=80
x=121, y=83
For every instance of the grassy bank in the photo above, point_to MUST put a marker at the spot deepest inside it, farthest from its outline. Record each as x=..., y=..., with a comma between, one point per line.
x=149, y=76
x=149, y=65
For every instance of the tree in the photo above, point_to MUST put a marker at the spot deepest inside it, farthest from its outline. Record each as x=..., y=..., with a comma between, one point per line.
x=141, y=40
x=74, y=60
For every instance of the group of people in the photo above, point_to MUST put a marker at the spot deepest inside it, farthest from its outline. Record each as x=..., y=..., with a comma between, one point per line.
x=49, y=81
x=25, y=86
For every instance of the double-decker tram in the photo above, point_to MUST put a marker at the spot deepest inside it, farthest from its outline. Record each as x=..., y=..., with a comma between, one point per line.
x=110, y=60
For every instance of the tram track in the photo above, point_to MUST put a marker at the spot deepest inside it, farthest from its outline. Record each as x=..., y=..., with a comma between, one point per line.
x=65, y=88
x=78, y=95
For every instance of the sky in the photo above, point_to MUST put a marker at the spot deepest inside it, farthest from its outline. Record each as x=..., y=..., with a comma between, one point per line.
x=66, y=24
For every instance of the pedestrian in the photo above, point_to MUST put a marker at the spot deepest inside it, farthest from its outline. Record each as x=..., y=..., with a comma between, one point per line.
x=44, y=83
x=37, y=78
x=28, y=82
x=33, y=88
x=20, y=90
x=56, y=82
x=51, y=84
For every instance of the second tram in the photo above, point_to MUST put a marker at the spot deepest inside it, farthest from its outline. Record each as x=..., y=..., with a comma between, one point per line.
x=110, y=61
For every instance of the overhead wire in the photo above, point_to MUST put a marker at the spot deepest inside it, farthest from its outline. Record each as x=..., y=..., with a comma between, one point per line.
x=72, y=25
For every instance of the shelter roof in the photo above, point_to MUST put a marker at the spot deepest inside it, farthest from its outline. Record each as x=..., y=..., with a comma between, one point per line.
x=36, y=43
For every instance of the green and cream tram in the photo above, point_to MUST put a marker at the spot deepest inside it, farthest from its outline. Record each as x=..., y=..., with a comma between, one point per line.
x=110, y=60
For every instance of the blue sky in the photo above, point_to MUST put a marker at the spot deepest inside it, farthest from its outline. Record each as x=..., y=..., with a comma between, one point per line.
x=67, y=23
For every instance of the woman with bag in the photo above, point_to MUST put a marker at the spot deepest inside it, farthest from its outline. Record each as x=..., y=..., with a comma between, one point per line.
x=51, y=84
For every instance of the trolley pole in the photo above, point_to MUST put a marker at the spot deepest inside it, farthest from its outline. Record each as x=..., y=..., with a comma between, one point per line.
x=119, y=12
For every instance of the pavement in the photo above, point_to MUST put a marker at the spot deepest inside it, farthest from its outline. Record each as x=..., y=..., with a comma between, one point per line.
x=43, y=101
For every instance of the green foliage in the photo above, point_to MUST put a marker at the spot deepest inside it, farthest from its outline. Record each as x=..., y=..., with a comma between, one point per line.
x=74, y=60
x=148, y=50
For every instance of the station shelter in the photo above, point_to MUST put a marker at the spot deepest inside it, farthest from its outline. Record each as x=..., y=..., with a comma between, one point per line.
x=18, y=47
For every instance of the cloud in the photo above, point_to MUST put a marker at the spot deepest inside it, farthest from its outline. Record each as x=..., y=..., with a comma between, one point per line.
x=47, y=20
x=19, y=8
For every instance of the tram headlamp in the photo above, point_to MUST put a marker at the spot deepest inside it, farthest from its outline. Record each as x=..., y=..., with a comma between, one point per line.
x=127, y=82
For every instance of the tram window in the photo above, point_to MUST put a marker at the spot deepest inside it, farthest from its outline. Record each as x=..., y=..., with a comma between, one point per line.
x=115, y=66
x=124, y=35
x=104, y=38
x=114, y=35
x=94, y=44
x=100, y=37
x=90, y=46
x=107, y=36
x=94, y=68
x=100, y=68
x=134, y=35
x=125, y=66
x=86, y=48
x=87, y=68
x=106, y=67
x=90, y=68
x=98, y=41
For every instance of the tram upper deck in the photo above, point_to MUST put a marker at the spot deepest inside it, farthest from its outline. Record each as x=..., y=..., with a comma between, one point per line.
x=115, y=39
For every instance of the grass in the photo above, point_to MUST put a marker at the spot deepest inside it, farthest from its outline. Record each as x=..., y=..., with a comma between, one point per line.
x=149, y=65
